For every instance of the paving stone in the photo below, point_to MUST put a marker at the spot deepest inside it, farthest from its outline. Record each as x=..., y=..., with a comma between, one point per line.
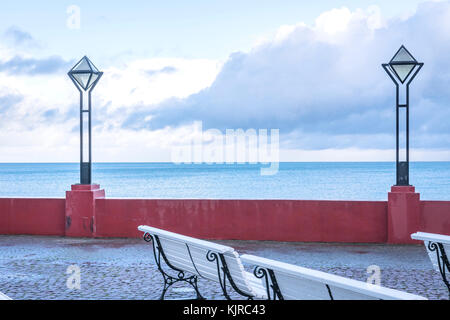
x=35, y=267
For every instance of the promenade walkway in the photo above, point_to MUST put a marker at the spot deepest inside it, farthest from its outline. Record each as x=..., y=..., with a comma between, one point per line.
x=35, y=267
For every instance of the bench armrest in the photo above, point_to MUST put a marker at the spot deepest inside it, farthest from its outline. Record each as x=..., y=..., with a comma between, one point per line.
x=191, y=241
x=433, y=237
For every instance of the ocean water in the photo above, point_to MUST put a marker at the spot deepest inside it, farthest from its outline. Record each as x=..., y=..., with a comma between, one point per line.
x=318, y=181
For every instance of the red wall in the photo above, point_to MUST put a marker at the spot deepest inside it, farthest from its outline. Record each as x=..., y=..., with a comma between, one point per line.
x=32, y=216
x=435, y=216
x=281, y=220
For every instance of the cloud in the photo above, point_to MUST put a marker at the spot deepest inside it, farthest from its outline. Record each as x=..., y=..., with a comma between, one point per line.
x=9, y=100
x=165, y=70
x=18, y=65
x=47, y=105
x=19, y=37
x=323, y=86
x=141, y=84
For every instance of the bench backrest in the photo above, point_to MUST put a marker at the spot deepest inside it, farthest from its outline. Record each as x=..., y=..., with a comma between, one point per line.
x=190, y=254
x=298, y=283
x=428, y=239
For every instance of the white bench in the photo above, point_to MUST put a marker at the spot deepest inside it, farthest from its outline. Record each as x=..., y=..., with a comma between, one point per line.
x=191, y=258
x=4, y=297
x=290, y=282
x=438, y=248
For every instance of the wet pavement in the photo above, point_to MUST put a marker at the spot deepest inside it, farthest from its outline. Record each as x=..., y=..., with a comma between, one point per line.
x=36, y=267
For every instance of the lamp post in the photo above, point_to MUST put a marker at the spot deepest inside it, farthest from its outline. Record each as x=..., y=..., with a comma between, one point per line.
x=402, y=69
x=85, y=76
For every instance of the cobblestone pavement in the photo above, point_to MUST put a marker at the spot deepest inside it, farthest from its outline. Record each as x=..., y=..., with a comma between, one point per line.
x=35, y=267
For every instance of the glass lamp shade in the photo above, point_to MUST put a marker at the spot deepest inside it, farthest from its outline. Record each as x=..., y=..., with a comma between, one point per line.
x=402, y=64
x=84, y=73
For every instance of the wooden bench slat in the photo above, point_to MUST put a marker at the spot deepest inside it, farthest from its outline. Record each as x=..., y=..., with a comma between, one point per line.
x=295, y=288
x=208, y=272
x=357, y=288
x=257, y=285
x=178, y=255
x=237, y=271
x=339, y=293
x=181, y=263
x=203, y=267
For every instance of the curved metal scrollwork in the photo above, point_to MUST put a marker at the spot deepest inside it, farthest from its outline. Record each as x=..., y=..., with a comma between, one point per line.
x=266, y=274
x=169, y=280
x=224, y=273
x=148, y=237
x=212, y=256
x=442, y=260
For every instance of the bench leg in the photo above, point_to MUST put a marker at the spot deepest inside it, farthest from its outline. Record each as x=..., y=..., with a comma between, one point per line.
x=169, y=280
x=194, y=284
x=166, y=287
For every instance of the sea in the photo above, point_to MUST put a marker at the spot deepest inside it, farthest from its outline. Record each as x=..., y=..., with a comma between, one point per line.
x=294, y=180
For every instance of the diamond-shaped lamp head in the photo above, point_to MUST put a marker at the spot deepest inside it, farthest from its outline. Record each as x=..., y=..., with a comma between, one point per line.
x=402, y=64
x=85, y=74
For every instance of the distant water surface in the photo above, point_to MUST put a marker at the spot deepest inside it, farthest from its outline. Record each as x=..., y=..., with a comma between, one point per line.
x=321, y=181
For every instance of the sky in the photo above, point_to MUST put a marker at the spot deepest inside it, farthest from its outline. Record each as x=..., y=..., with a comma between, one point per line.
x=310, y=69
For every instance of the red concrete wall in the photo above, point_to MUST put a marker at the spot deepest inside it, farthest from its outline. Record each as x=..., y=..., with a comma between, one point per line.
x=280, y=220
x=435, y=217
x=32, y=216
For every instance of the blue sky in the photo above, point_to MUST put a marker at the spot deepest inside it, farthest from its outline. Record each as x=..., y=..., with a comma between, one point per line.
x=308, y=68
x=183, y=29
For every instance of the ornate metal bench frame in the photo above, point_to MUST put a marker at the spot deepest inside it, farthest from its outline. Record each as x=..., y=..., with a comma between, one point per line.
x=268, y=276
x=442, y=259
x=169, y=280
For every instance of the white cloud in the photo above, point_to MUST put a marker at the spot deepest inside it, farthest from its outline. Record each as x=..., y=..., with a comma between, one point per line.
x=334, y=21
x=39, y=117
x=321, y=85
x=137, y=83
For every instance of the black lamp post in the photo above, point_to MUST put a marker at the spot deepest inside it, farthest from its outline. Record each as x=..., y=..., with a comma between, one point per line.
x=85, y=76
x=402, y=69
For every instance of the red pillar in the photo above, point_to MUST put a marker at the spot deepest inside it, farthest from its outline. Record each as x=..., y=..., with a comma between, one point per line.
x=80, y=210
x=403, y=214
